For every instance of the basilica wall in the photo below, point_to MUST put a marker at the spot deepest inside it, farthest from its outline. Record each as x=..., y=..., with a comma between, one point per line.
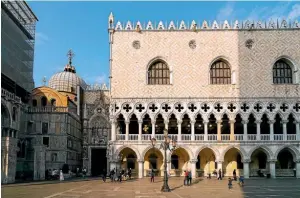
x=189, y=56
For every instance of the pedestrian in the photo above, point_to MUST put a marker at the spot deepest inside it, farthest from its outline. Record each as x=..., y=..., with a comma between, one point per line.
x=129, y=173
x=190, y=177
x=241, y=181
x=186, y=175
x=120, y=176
x=104, y=175
x=61, y=176
x=220, y=175
x=234, y=175
x=152, y=175
x=112, y=175
x=229, y=183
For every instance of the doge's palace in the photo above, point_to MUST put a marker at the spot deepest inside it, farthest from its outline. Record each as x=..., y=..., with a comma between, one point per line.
x=228, y=93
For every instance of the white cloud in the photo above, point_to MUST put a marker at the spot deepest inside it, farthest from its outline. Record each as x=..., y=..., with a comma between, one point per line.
x=41, y=38
x=295, y=12
x=227, y=12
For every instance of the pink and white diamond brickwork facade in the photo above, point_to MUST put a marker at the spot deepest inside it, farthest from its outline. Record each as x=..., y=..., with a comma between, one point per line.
x=227, y=93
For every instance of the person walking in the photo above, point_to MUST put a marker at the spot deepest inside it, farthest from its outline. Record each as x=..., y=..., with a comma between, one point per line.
x=152, y=175
x=129, y=173
x=220, y=175
x=61, y=176
x=186, y=175
x=104, y=175
x=229, y=183
x=112, y=175
x=234, y=175
x=190, y=178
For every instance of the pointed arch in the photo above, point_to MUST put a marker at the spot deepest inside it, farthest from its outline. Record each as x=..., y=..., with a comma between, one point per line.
x=131, y=147
x=292, y=149
x=265, y=149
x=241, y=151
x=5, y=115
x=215, y=151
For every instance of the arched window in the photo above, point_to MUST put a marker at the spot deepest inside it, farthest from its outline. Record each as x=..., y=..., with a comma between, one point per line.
x=34, y=102
x=220, y=73
x=282, y=73
x=158, y=74
x=44, y=101
x=174, y=162
x=53, y=102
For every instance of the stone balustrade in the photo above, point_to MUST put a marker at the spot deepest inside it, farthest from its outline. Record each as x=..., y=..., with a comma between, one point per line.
x=210, y=137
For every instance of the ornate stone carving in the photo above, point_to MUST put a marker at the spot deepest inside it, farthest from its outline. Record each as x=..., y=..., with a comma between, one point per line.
x=136, y=44
x=249, y=43
x=192, y=44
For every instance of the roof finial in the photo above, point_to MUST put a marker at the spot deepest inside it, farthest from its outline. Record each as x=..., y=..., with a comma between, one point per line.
x=44, y=81
x=70, y=56
x=111, y=21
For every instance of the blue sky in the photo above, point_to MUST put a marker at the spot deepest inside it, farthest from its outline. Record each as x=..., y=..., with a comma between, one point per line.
x=82, y=27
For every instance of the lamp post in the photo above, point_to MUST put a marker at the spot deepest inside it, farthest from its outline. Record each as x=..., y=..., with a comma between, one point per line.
x=170, y=145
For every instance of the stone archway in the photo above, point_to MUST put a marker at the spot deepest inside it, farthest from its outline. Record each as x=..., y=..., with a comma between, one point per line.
x=206, y=162
x=259, y=161
x=153, y=159
x=127, y=158
x=233, y=158
x=179, y=162
x=285, y=164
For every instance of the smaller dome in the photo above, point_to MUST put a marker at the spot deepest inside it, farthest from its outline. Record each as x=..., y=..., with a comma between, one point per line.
x=67, y=81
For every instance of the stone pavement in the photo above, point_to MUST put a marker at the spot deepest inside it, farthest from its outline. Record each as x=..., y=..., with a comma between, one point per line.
x=282, y=188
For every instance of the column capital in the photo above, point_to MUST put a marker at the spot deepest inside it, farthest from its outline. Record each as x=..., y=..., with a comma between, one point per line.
x=153, y=122
x=140, y=161
x=127, y=121
x=271, y=121
x=113, y=121
x=258, y=121
x=192, y=121
x=205, y=121
x=219, y=121
x=245, y=121
x=140, y=121
x=272, y=160
x=193, y=161
x=231, y=121
x=219, y=161
x=166, y=122
x=246, y=161
x=284, y=121
x=179, y=121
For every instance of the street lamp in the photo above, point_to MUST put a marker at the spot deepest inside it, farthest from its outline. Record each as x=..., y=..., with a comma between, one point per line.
x=170, y=145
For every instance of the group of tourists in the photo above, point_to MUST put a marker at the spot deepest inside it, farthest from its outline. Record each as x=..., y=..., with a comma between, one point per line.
x=187, y=178
x=117, y=175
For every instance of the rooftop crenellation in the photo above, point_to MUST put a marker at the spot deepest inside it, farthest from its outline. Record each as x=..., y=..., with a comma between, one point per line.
x=204, y=25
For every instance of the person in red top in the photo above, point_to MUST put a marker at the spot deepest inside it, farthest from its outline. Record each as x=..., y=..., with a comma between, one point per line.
x=186, y=175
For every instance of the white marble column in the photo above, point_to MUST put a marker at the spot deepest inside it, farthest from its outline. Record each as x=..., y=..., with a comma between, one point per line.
x=141, y=168
x=246, y=168
x=219, y=130
x=271, y=123
x=232, y=130
x=127, y=130
x=297, y=169
x=258, y=122
x=166, y=124
x=193, y=167
x=179, y=129
x=297, y=130
x=284, y=130
x=193, y=130
x=272, y=168
x=153, y=129
x=245, y=124
x=205, y=130
x=113, y=130
x=140, y=130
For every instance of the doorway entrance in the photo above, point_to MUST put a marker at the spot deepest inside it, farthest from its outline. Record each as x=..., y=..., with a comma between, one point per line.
x=99, y=161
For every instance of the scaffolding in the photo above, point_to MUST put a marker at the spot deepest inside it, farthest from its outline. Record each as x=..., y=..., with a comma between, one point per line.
x=18, y=40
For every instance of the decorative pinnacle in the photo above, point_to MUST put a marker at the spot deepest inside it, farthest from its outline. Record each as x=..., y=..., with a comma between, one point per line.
x=70, y=56
x=44, y=80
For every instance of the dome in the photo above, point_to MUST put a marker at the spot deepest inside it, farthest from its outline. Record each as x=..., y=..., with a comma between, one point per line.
x=67, y=81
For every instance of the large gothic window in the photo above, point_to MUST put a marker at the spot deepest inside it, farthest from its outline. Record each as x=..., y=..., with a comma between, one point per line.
x=220, y=73
x=159, y=74
x=282, y=73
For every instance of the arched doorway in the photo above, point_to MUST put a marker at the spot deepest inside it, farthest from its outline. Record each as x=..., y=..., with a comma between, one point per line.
x=179, y=162
x=285, y=165
x=259, y=161
x=5, y=117
x=128, y=159
x=153, y=159
x=233, y=161
x=206, y=162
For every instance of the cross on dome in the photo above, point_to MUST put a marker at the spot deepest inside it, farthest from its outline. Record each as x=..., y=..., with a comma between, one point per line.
x=70, y=56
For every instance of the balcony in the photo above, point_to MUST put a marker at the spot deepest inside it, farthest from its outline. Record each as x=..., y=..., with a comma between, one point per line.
x=10, y=96
x=212, y=137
